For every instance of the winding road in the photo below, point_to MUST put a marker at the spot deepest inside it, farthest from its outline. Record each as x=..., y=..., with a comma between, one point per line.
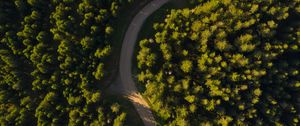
x=124, y=82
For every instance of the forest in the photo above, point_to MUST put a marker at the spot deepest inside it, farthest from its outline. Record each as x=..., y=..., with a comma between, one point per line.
x=52, y=55
x=224, y=62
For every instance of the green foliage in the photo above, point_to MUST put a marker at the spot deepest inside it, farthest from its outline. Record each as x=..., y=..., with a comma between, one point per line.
x=99, y=72
x=225, y=62
x=186, y=66
x=52, y=57
x=119, y=121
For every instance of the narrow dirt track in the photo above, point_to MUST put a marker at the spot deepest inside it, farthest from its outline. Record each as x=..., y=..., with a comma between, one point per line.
x=125, y=80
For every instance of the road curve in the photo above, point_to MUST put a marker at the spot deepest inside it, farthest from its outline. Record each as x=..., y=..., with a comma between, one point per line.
x=126, y=80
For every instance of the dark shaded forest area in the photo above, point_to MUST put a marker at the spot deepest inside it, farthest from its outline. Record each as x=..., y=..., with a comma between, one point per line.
x=52, y=55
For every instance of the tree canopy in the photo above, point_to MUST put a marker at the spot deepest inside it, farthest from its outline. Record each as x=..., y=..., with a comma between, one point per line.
x=52, y=55
x=225, y=62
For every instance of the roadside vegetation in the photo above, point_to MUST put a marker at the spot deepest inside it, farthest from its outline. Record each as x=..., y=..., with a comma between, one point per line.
x=224, y=63
x=147, y=30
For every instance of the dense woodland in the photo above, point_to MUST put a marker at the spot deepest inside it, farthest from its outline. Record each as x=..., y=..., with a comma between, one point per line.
x=225, y=62
x=52, y=55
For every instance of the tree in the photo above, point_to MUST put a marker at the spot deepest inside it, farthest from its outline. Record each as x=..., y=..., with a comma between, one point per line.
x=115, y=108
x=119, y=121
x=109, y=30
x=99, y=72
x=186, y=66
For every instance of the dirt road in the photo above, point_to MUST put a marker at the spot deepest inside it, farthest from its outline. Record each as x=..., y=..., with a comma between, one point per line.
x=125, y=84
